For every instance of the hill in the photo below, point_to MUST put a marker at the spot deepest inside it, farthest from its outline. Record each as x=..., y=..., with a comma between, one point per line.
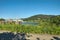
x=44, y=19
x=40, y=16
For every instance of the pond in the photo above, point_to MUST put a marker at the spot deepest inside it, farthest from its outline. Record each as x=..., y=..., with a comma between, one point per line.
x=29, y=23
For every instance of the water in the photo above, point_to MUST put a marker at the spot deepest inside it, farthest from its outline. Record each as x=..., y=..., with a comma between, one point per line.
x=29, y=23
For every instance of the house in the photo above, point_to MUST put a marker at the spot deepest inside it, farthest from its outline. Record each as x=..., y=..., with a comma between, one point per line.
x=11, y=21
x=18, y=21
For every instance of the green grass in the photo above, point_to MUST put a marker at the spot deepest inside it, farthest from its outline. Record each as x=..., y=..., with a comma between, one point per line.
x=31, y=29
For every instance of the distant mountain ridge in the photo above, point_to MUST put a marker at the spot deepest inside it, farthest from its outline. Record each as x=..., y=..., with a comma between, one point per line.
x=40, y=16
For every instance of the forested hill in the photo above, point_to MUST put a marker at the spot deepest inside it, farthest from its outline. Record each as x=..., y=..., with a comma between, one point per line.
x=44, y=19
x=40, y=16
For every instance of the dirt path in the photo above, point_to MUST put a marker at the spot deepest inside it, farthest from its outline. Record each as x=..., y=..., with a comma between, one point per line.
x=1, y=31
x=43, y=37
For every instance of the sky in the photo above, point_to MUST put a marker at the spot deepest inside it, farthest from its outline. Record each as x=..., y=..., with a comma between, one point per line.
x=27, y=8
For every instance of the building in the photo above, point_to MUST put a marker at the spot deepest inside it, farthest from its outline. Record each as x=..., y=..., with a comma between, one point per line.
x=11, y=21
x=18, y=21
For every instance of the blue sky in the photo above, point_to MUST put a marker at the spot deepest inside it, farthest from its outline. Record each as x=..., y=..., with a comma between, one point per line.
x=27, y=8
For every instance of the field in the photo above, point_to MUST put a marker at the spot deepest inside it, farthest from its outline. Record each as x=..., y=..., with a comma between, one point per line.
x=31, y=29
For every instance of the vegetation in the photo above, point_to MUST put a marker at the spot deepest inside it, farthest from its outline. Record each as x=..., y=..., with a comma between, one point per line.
x=1, y=19
x=48, y=25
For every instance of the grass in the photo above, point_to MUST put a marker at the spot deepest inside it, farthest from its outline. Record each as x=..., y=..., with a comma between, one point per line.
x=31, y=29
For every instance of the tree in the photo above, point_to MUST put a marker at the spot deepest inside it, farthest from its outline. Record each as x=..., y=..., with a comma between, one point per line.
x=55, y=20
x=1, y=19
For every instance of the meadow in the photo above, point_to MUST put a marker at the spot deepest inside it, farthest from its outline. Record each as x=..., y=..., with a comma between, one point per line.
x=39, y=29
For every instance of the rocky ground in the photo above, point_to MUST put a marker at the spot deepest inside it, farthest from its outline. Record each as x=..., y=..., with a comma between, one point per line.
x=7, y=35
